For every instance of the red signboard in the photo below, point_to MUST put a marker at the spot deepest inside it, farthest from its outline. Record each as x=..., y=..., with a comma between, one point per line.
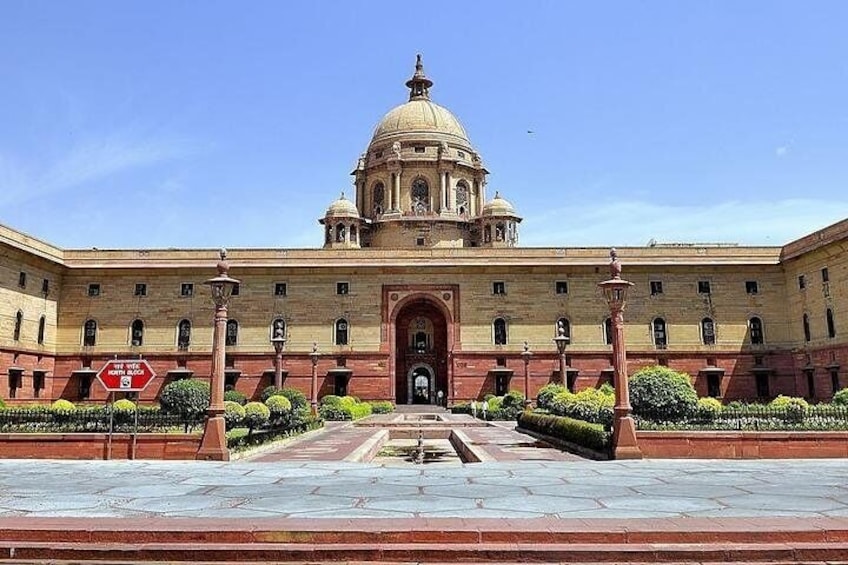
x=131, y=375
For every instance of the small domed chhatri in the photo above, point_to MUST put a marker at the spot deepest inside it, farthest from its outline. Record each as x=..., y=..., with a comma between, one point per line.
x=342, y=224
x=498, y=206
x=342, y=207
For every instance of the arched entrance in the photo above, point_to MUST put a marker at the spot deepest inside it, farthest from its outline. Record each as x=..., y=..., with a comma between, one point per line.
x=421, y=353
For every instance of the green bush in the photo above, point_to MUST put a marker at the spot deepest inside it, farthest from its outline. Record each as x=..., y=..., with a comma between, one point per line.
x=330, y=400
x=123, y=406
x=708, y=409
x=794, y=409
x=256, y=414
x=189, y=397
x=343, y=408
x=62, y=406
x=279, y=405
x=270, y=391
x=578, y=432
x=360, y=410
x=590, y=405
x=382, y=407
x=661, y=394
x=2, y=404
x=233, y=414
x=235, y=396
x=547, y=394
x=298, y=400
x=841, y=397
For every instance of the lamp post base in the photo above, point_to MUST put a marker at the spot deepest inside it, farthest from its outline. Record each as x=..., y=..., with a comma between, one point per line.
x=213, y=446
x=624, y=444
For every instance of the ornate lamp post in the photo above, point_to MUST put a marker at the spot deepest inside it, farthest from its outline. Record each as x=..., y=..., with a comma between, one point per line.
x=561, y=341
x=314, y=355
x=615, y=290
x=214, y=443
x=279, y=342
x=526, y=355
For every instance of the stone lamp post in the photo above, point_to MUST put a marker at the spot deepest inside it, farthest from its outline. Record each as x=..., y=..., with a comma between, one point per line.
x=279, y=342
x=213, y=446
x=615, y=290
x=526, y=355
x=561, y=341
x=314, y=355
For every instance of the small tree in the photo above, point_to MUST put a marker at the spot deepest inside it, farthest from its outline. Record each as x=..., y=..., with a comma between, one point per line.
x=188, y=398
x=661, y=394
x=255, y=414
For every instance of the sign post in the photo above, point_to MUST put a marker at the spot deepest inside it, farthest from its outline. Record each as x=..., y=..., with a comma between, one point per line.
x=117, y=375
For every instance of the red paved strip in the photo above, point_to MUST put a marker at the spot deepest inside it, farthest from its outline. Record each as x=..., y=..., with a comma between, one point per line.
x=332, y=444
x=504, y=444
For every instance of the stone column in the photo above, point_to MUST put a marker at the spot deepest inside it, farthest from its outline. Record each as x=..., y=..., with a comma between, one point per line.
x=448, y=191
x=397, y=190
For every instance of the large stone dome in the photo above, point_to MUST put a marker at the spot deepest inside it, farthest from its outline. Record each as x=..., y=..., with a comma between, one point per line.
x=423, y=119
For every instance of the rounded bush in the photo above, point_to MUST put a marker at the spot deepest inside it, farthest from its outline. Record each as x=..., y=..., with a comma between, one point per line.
x=233, y=414
x=278, y=405
x=268, y=392
x=62, y=406
x=124, y=405
x=708, y=409
x=794, y=409
x=188, y=396
x=841, y=397
x=235, y=396
x=256, y=414
x=661, y=394
x=547, y=394
x=512, y=399
x=382, y=407
x=330, y=400
x=298, y=400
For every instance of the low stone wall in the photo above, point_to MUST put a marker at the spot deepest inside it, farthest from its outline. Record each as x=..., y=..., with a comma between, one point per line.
x=95, y=446
x=742, y=445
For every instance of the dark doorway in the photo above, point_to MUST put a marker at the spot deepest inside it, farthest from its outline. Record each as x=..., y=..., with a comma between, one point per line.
x=421, y=353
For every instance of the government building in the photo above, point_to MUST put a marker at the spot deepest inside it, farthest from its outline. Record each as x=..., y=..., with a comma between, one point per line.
x=419, y=287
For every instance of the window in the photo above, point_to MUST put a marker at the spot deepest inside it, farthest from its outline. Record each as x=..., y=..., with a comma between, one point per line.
x=420, y=149
x=755, y=327
x=280, y=289
x=45, y=286
x=42, y=322
x=561, y=287
x=834, y=380
x=708, y=335
x=498, y=287
x=187, y=289
x=140, y=289
x=805, y=320
x=22, y=276
x=831, y=326
x=563, y=326
x=656, y=288
x=37, y=383
x=354, y=234
x=236, y=290
x=94, y=289
x=379, y=198
x=460, y=154
x=15, y=378
x=802, y=282
x=137, y=333
x=499, y=331
x=704, y=287
x=342, y=288
x=232, y=333
x=608, y=331
x=825, y=275
x=19, y=321
x=420, y=196
x=183, y=334
x=762, y=383
x=461, y=198
x=89, y=333
x=419, y=242
x=811, y=382
x=341, y=333
x=85, y=386
x=378, y=154
x=751, y=287
x=714, y=385
x=660, y=336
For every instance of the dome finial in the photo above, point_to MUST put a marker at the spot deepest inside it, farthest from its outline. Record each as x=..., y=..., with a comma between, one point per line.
x=419, y=85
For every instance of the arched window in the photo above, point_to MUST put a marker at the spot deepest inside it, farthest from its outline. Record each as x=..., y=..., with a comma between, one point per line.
x=341, y=332
x=89, y=333
x=232, y=333
x=420, y=196
x=42, y=323
x=379, y=198
x=462, y=198
x=19, y=321
x=660, y=335
x=499, y=331
x=500, y=231
x=805, y=320
x=708, y=336
x=487, y=233
x=565, y=326
x=278, y=328
x=137, y=333
x=353, y=234
x=340, y=233
x=608, y=331
x=184, y=334
x=328, y=236
x=755, y=328
x=831, y=326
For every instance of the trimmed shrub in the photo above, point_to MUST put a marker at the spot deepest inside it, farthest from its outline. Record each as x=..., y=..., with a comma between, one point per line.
x=256, y=414
x=278, y=405
x=189, y=397
x=330, y=400
x=360, y=410
x=235, y=396
x=343, y=408
x=298, y=400
x=382, y=407
x=2, y=404
x=124, y=406
x=62, y=406
x=590, y=405
x=547, y=394
x=233, y=414
x=661, y=394
x=708, y=409
x=578, y=432
x=841, y=397
x=270, y=391
x=794, y=409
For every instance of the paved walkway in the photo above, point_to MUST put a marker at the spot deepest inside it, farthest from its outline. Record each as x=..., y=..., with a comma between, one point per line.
x=808, y=489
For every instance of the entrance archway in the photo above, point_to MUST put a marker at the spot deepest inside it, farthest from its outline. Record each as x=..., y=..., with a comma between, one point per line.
x=421, y=353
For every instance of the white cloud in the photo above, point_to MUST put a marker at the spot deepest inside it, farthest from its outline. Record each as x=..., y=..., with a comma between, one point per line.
x=782, y=151
x=762, y=222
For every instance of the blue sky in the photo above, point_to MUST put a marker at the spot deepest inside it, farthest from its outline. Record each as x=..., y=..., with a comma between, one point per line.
x=206, y=124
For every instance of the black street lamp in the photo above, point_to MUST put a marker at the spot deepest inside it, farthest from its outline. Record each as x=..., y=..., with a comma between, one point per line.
x=278, y=340
x=561, y=341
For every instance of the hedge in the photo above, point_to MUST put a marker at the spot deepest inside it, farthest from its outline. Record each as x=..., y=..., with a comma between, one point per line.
x=578, y=432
